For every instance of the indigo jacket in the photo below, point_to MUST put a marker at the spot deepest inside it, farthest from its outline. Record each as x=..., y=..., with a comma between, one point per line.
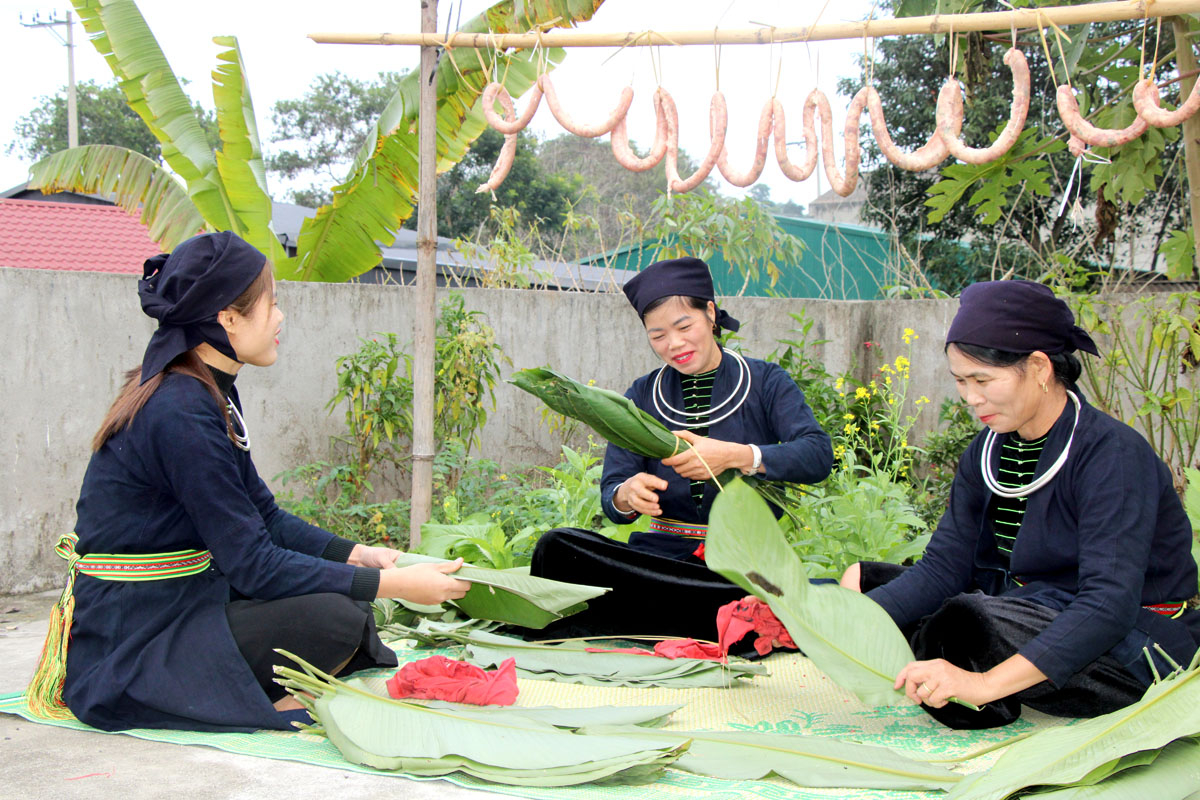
x=1107, y=536
x=159, y=653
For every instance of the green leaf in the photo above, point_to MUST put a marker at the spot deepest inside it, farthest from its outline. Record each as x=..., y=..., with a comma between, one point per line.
x=809, y=761
x=848, y=636
x=1173, y=775
x=513, y=597
x=1065, y=755
x=569, y=662
x=1179, y=251
x=137, y=184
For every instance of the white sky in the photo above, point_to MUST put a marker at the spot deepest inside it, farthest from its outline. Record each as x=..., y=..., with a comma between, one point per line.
x=281, y=63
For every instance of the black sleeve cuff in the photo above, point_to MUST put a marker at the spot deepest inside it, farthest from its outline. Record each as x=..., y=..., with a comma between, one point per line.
x=338, y=550
x=365, y=584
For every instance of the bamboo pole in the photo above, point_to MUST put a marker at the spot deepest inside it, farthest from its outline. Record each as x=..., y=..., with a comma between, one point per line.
x=1185, y=59
x=903, y=26
x=425, y=315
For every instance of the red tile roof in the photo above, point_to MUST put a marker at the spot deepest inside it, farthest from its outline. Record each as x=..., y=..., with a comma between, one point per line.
x=41, y=234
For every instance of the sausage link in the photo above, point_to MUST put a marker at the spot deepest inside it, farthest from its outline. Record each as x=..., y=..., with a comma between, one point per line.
x=494, y=90
x=842, y=185
x=718, y=119
x=795, y=173
x=620, y=140
x=588, y=131
x=1084, y=133
x=927, y=156
x=950, y=115
x=765, y=118
x=1148, y=105
x=508, y=150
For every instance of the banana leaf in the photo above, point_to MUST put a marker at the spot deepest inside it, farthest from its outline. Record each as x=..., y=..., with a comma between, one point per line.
x=513, y=597
x=637, y=717
x=569, y=662
x=138, y=184
x=1173, y=775
x=611, y=415
x=515, y=749
x=810, y=761
x=1090, y=749
x=848, y=636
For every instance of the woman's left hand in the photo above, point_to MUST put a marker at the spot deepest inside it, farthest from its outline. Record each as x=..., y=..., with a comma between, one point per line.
x=718, y=455
x=935, y=682
x=377, y=557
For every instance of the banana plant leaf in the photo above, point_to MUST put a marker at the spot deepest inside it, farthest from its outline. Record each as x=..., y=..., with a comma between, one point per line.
x=569, y=662
x=514, y=749
x=120, y=34
x=638, y=717
x=1173, y=775
x=137, y=184
x=342, y=239
x=611, y=415
x=513, y=597
x=1093, y=749
x=810, y=761
x=848, y=636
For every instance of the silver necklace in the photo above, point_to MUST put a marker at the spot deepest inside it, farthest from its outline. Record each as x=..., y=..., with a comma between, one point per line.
x=660, y=402
x=242, y=438
x=985, y=462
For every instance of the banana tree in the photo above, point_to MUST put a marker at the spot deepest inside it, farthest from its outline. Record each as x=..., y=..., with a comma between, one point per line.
x=199, y=189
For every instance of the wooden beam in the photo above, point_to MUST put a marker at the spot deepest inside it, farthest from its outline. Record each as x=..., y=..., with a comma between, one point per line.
x=903, y=26
x=425, y=308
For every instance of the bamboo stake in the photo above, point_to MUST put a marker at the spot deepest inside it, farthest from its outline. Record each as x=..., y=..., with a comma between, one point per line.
x=425, y=316
x=903, y=26
x=1185, y=59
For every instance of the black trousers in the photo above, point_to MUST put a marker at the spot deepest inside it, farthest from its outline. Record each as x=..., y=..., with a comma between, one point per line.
x=976, y=632
x=326, y=630
x=652, y=594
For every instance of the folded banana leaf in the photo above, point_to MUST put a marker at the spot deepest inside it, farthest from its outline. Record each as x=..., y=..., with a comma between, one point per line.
x=513, y=597
x=569, y=662
x=1173, y=775
x=1093, y=750
x=848, y=636
x=516, y=749
x=810, y=761
x=611, y=415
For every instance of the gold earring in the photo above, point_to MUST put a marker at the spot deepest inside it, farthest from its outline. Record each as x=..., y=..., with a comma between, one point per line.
x=1045, y=389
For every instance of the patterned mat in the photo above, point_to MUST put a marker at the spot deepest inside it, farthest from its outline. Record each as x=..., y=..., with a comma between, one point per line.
x=795, y=698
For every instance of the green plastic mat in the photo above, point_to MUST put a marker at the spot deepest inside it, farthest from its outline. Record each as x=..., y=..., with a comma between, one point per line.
x=795, y=698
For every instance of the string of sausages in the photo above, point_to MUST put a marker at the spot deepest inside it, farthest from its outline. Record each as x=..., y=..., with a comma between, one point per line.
x=946, y=139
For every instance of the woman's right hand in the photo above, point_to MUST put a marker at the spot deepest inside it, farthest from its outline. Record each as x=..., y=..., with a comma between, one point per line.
x=640, y=493
x=427, y=584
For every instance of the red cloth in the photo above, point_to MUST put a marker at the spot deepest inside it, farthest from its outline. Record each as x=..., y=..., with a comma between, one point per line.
x=689, y=648
x=440, y=678
x=736, y=619
x=699, y=551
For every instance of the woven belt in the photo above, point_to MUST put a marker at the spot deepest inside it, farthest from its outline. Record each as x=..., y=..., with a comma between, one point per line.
x=44, y=694
x=1171, y=610
x=692, y=530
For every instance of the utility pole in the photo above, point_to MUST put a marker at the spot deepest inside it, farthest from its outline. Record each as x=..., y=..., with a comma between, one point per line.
x=69, y=41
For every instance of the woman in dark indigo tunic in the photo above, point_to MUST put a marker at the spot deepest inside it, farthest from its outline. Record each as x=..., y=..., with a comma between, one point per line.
x=735, y=412
x=1064, y=556
x=202, y=574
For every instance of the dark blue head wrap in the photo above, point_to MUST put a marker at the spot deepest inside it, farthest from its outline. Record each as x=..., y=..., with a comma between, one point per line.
x=1017, y=317
x=684, y=277
x=185, y=289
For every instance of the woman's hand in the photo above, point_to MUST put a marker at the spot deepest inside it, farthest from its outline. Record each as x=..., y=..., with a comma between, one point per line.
x=428, y=584
x=718, y=455
x=640, y=493
x=377, y=557
x=935, y=682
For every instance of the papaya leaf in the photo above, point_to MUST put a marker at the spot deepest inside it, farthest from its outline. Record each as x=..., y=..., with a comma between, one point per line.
x=810, y=761
x=848, y=636
x=513, y=597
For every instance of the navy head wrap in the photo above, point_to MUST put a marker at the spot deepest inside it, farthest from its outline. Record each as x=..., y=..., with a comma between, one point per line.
x=185, y=289
x=684, y=277
x=1017, y=317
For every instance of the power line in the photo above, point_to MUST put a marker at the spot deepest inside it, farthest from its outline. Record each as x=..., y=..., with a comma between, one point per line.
x=69, y=41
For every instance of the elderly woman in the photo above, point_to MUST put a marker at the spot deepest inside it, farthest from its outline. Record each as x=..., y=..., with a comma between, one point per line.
x=184, y=575
x=1063, y=562
x=735, y=413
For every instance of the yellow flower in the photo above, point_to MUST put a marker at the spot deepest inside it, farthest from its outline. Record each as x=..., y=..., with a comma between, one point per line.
x=902, y=363
x=502, y=476
x=909, y=336
x=922, y=400
x=874, y=426
x=847, y=416
x=839, y=383
x=888, y=380
x=376, y=517
x=861, y=393
x=839, y=451
x=886, y=368
x=873, y=387
x=591, y=381
x=850, y=428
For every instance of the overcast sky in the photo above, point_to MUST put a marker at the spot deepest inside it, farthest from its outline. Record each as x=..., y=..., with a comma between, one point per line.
x=281, y=63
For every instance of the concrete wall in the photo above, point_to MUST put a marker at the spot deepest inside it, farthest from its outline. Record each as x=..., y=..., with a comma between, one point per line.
x=72, y=335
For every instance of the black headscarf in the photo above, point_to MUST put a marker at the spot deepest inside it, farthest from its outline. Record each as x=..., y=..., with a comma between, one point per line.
x=185, y=289
x=685, y=277
x=1017, y=317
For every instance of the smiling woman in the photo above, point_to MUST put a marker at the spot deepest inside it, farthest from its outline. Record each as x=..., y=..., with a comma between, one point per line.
x=1061, y=575
x=732, y=412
